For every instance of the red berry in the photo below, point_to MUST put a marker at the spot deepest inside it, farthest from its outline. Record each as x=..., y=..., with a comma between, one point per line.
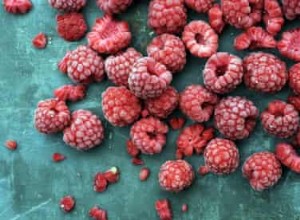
x=262, y=170
x=11, y=145
x=112, y=175
x=40, y=41
x=291, y=9
x=144, y=174
x=100, y=182
x=197, y=103
x=288, y=156
x=67, y=5
x=176, y=123
x=70, y=92
x=184, y=207
x=17, y=6
x=289, y=44
x=215, y=18
x=67, y=203
x=137, y=161
x=294, y=78
x=109, y=35
x=57, y=157
x=273, y=16
x=295, y=101
x=132, y=150
x=200, y=6
x=97, y=213
x=163, y=209
x=113, y=6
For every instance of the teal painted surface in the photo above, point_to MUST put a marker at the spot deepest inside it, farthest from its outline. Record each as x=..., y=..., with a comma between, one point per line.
x=31, y=185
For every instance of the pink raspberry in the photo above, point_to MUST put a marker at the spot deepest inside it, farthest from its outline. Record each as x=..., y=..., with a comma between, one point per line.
x=215, y=18
x=223, y=72
x=120, y=107
x=168, y=50
x=200, y=6
x=85, y=131
x=200, y=39
x=264, y=72
x=167, y=16
x=291, y=9
x=113, y=6
x=17, y=6
x=294, y=78
x=280, y=119
x=118, y=67
x=149, y=135
x=235, y=117
x=175, y=175
x=109, y=35
x=197, y=103
x=163, y=105
x=51, y=116
x=67, y=5
x=70, y=92
x=262, y=169
x=149, y=78
x=273, y=16
x=83, y=65
x=289, y=44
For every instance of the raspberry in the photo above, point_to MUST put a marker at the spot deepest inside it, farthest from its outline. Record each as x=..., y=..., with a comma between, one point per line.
x=235, y=117
x=97, y=213
x=11, y=145
x=288, y=156
x=291, y=9
x=51, y=116
x=17, y=6
x=168, y=50
x=175, y=175
x=294, y=78
x=67, y=203
x=100, y=182
x=223, y=72
x=177, y=123
x=108, y=35
x=215, y=18
x=264, y=72
x=295, y=101
x=200, y=39
x=57, y=157
x=262, y=169
x=193, y=138
x=120, y=107
x=118, y=67
x=163, y=105
x=197, y=103
x=273, y=16
x=67, y=5
x=289, y=44
x=71, y=26
x=113, y=6
x=167, y=16
x=221, y=156
x=163, y=209
x=70, y=92
x=40, y=41
x=85, y=131
x=112, y=175
x=253, y=38
x=144, y=174
x=280, y=119
x=83, y=65
x=149, y=78
x=200, y=6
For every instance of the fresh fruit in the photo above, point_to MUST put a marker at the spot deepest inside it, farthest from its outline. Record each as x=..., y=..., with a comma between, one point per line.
x=163, y=209
x=215, y=18
x=67, y=5
x=200, y=6
x=289, y=44
x=40, y=41
x=113, y=6
x=273, y=16
x=294, y=78
x=98, y=213
x=17, y=6
x=70, y=92
x=11, y=145
x=100, y=183
x=288, y=156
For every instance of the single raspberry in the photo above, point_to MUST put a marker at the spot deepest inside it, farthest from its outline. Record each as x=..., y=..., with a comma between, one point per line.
x=264, y=72
x=223, y=72
x=176, y=175
x=221, y=156
x=71, y=26
x=193, y=138
x=177, y=123
x=112, y=175
x=289, y=44
x=215, y=18
x=109, y=35
x=85, y=131
x=294, y=78
x=83, y=65
x=57, y=157
x=132, y=150
x=40, y=41
x=11, y=145
x=184, y=207
x=273, y=16
x=291, y=9
x=97, y=213
x=200, y=39
x=167, y=16
x=17, y=6
x=149, y=78
x=70, y=92
x=197, y=103
x=280, y=119
x=144, y=174
x=262, y=169
x=67, y=203
x=163, y=209
x=295, y=101
x=51, y=116
x=163, y=105
x=168, y=50
x=119, y=66
x=149, y=135
x=200, y=6
x=253, y=38
x=288, y=156
x=113, y=6
x=67, y=5
x=100, y=183
x=235, y=117
x=137, y=161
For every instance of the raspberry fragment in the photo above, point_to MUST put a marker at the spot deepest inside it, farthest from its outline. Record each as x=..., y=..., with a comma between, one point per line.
x=273, y=16
x=176, y=123
x=200, y=6
x=11, y=145
x=98, y=213
x=112, y=175
x=67, y=203
x=40, y=41
x=70, y=92
x=67, y=5
x=137, y=161
x=57, y=157
x=215, y=18
x=132, y=150
x=144, y=174
x=288, y=156
x=289, y=44
x=164, y=209
x=17, y=6
x=112, y=6
x=100, y=183
x=294, y=78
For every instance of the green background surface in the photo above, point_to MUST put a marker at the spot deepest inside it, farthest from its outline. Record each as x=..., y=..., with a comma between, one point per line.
x=31, y=185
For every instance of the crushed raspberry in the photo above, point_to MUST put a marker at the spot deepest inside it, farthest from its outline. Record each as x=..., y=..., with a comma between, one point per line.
x=163, y=209
x=235, y=117
x=168, y=50
x=17, y=6
x=223, y=72
x=149, y=135
x=67, y=203
x=67, y=5
x=215, y=18
x=291, y=8
x=11, y=145
x=113, y=6
x=97, y=213
x=273, y=16
x=280, y=119
x=51, y=116
x=71, y=26
x=132, y=150
x=109, y=35
x=200, y=6
x=137, y=161
x=193, y=138
x=57, y=157
x=288, y=156
x=40, y=41
x=264, y=72
x=163, y=105
x=294, y=78
x=262, y=170
x=144, y=174
x=112, y=175
x=149, y=78
x=167, y=16
x=200, y=39
x=119, y=66
x=295, y=101
x=83, y=65
x=176, y=123
x=120, y=107
x=289, y=44
x=70, y=92
x=197, y=103
x=85, y=131
x=184, y=207
x=100, y=183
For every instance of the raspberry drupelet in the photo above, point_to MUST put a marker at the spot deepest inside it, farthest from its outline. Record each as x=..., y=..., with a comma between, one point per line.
x=98, y=213
x=215, y=18
x=200, y=6
x=235, y=117
x=197, y=103
x=294, y=78
x=273, y=16
x=40, y=41
x=67, y=203
x=289, y=44
x=262, y=169
x=70, y=92
x=120, y=107
x=288, y=156
x=291, y=8
x=113, y=6
x=67, y=5
x=17, y=6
